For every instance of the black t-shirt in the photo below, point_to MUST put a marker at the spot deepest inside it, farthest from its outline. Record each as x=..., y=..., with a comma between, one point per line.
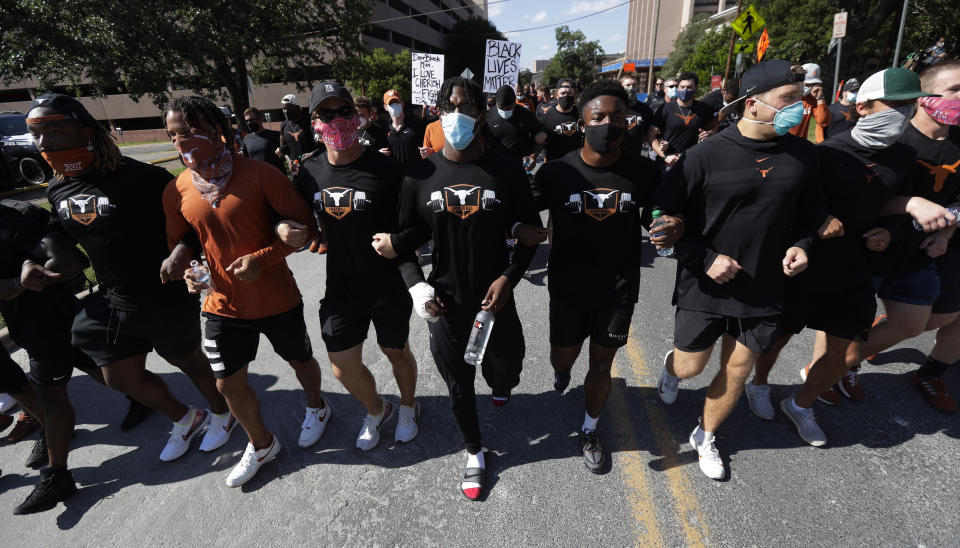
x=298, y=139
x=563, y=132
x=355, y=201
x=373, y=137
x=405, y=142
x=749, y=200
x=118, y=220
x=680, y=126
x=468, y=209
x=262, y=146
x=513, y=136
x=594, y=253
x=543, y=107
x=839, y=119
x=714, y=100
x=639, y=118
x=857, y=182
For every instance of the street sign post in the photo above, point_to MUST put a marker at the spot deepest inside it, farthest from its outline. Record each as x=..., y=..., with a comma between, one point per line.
x=839, y=32
x=748, y=23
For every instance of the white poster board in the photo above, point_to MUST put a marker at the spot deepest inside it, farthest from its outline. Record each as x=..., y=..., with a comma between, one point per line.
x=426, y=78
x=502, y=65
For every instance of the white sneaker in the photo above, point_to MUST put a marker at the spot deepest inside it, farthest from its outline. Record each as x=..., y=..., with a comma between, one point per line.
x=668, y=385
x=408, y=423
x=182, y=434
x=710, y=463
x=251, y=461
x=218, y=433
x=314, y=425
x=758, y=396
x=7, y=403
x=805, y=422
x=370, y=432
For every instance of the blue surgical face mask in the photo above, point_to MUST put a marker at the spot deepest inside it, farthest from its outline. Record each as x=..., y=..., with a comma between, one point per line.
x=850, y=96
x=505, y=114
x=786, y=118
x=458, y=129
x=806, y=90
x=684, y=94
x=672, y=92
x=396, y=109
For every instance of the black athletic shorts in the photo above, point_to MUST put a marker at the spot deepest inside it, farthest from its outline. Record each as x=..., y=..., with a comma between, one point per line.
x=695, y=331
x=573, y=321
x=12, y=378
x=231, y=343
x=948, y=268
x=42, y=326
x=169, y=326
x=344, y=325
x=848, y=314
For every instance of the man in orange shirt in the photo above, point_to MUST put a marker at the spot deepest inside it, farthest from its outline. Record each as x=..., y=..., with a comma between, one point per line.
x=231, y=203
x=814, y=105
x=433, y=140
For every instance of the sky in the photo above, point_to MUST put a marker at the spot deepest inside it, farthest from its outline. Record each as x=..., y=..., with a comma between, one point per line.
x=609, y=28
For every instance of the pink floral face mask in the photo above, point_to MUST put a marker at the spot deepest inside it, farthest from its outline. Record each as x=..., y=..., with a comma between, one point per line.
x=946, y=111
x=210, y=164
x=339, y=133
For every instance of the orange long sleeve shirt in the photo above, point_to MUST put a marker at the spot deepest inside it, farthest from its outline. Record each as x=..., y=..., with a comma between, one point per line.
x=813, y=110
x=433, y=137
x=257, y=196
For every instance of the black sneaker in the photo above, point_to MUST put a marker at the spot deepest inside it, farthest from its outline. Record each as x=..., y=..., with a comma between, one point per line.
x=561, y=380
x=592, y=451
x=38, y=455
x=54, y=486
x=135, y=415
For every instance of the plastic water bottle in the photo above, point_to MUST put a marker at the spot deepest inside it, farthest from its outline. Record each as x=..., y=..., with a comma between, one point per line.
x=657, y=221
x=479, y=336
x=955, y=211
x=200, y=272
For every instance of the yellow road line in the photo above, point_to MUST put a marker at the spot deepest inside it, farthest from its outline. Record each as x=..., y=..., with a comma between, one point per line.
x=633, y=470
x=694, y=528
x=22, y=190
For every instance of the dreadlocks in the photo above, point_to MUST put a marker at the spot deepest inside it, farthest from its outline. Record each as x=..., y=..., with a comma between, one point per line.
x=195, y=109
x=108, y=157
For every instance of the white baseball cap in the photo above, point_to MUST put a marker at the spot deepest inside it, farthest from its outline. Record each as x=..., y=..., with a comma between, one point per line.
x=290, y=99
x=813, y=74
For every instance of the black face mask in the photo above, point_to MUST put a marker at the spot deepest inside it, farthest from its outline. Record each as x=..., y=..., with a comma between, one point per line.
x=603, y=138
x=287, y=115
x=254, y=126
x=565, y=102
x=660, y=93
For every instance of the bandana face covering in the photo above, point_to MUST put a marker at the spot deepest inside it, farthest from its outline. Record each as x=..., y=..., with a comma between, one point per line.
x=70, y=161
x=210, y=164
x=339, y=133
x=943, y=110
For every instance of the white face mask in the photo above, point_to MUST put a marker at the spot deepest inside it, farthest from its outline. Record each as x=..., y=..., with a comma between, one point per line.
x=806, y=90
x=363, y=122
x=505, y=114
x=850, y=96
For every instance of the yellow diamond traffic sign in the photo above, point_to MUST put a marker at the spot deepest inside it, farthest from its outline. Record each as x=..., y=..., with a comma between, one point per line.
x=749, y=22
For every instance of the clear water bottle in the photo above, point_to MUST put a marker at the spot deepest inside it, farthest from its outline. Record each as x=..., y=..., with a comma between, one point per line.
x=200, y=272
x=955, y=211
x=479, y=336
x=657, y=221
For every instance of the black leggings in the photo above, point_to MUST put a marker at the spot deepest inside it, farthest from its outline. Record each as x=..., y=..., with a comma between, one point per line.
x=501, y=366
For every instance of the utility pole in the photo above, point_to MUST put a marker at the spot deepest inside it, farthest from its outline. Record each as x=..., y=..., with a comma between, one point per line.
x=836, y=70
x=653, y=45
x=903, y=23
x=733, y=37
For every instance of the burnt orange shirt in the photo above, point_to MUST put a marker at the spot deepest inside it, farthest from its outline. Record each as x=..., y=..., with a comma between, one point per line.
x=257, y=196
x=817, y=111
x=433, y=138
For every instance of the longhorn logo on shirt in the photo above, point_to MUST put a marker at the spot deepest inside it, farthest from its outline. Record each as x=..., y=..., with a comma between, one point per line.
x=686, y=119
x=567, y=128
x=600, y=203
x=84, y=208
x=337, y=201
x=633, y=120
x=940, y=173
x=462, y=200
x=764, y=172
x=295, y=135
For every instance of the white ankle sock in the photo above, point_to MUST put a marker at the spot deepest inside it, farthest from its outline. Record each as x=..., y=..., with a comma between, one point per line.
x=589, y=423
x=475, y=461
x=188, y=418
x=702, y=436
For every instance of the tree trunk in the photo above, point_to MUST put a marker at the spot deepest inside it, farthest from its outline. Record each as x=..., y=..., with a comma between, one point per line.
x=237, y=89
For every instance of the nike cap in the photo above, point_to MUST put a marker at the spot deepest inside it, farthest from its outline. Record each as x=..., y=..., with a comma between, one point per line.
x=290, y=99
x=325, y=90
x=892, y=84
x=66, y=108
x=812, y=76
x=851, y=85
x=506, y=96
x=764, y=76
x=390, y=96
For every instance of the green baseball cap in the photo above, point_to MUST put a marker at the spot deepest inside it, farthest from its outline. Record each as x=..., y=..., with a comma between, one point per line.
x=892, y=84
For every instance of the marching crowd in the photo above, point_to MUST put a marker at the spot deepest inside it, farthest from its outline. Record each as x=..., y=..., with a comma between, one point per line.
x=771, y=234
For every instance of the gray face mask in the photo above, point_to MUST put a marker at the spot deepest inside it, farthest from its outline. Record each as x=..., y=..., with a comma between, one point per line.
x=881, y=129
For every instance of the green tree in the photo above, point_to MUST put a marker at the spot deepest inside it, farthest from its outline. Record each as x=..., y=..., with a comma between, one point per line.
x=525, y=77
x=151, y=47
x=468, y=46
x=576, y=57
x=379, y=71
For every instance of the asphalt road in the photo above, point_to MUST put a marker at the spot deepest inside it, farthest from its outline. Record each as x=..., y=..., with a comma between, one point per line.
x=886, y=478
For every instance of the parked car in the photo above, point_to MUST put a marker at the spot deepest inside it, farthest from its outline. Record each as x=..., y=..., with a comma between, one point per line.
x=20, y=161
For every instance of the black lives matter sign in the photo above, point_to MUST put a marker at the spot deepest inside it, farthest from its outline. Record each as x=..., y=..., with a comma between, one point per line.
x=426, y=78
x=502, y=65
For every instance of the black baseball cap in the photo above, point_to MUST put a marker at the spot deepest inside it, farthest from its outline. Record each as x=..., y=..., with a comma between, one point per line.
x=764, y=76
x=64, y=105
x=851, y=85
x=325, y=90
x=506, y=96
x=567, y=83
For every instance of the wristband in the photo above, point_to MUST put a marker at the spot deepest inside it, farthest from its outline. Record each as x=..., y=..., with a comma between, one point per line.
x=422, y=293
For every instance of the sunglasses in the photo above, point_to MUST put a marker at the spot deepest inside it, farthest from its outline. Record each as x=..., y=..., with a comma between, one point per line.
x=327, y=115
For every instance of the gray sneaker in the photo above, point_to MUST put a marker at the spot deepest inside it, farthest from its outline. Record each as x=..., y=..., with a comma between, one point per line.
x=758, y=396
x=805, y=422
x=370, y=432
